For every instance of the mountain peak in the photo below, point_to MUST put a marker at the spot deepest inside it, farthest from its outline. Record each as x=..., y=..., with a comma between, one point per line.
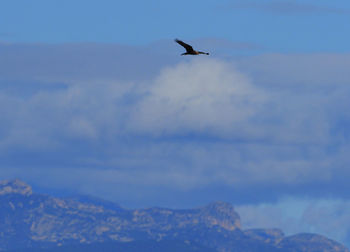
x=222, y=214
x=15, y=186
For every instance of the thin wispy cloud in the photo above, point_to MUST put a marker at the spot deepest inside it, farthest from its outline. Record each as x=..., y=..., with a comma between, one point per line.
x=225, y=44
x=287, y=7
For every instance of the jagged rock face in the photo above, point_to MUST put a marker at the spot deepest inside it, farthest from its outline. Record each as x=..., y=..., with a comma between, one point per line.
x=221, y=214
x=33, y=220
x=14, y=187
x=215, y=215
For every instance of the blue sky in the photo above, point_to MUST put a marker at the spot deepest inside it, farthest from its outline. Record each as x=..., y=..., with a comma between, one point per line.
x=96, y=99
x=287, y=26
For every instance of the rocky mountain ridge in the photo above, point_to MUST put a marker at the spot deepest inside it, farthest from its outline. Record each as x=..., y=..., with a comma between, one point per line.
x=30, y=220
x=16, y=186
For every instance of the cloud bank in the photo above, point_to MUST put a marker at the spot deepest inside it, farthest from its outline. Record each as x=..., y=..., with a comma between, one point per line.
x=196, y=124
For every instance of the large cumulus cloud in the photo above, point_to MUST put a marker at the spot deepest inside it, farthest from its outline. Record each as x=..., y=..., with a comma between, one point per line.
x=207, y=97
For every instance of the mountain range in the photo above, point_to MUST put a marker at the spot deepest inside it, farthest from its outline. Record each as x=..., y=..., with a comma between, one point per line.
x=38, y=222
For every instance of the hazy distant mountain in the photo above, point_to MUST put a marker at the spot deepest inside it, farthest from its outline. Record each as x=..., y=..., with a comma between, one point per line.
x=32, y=222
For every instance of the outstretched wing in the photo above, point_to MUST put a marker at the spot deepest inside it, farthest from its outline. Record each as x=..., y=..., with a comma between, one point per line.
x=187, y=46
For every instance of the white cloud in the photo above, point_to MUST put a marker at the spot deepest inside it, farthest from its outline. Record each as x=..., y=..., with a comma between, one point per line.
x=200, y=97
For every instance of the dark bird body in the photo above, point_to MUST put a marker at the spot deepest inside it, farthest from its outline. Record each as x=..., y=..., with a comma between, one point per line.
x=189, y=49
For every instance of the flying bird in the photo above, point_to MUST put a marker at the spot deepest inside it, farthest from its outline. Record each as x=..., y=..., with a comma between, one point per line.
x=189, y=49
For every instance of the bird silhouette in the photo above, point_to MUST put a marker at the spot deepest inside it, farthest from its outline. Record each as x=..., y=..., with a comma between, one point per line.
x=189, y=49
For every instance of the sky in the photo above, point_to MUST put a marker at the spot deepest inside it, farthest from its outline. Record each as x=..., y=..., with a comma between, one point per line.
x=96, y=99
